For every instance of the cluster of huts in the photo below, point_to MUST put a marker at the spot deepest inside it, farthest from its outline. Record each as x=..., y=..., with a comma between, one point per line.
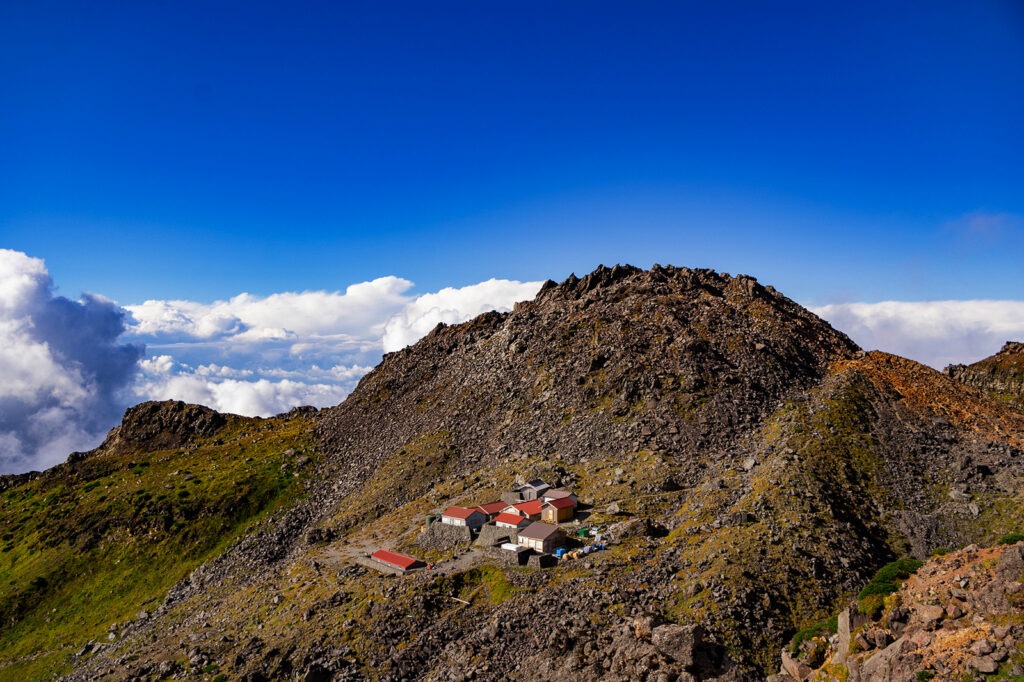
x=525, y=518
x=522, y=523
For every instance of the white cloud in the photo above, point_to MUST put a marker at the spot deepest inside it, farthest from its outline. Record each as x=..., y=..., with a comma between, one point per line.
x=260, y=397
x=62, y=373
x=263, y=355
x=936, y=333
x=362, y=308
x=453, y=306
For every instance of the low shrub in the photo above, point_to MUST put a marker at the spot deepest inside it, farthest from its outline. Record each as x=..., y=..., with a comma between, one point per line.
x=1011, y=538
x=871, y=599
x=822, y=627
x=901, y=569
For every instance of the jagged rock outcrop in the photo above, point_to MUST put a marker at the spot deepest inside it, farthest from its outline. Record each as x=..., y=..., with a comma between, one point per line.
x=1001, y=375
x=161, y=425
x=957, y=618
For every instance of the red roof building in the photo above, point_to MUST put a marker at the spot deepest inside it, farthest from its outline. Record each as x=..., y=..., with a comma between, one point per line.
x=558, y=510
x=463, y=516
x=458, y=512
x=492, y=509
x=530, y=510
x=510, y=521
x=394, y=560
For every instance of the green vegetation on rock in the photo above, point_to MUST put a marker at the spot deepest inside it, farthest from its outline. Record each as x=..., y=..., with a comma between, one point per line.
x=871, y=599
x=1011, y=538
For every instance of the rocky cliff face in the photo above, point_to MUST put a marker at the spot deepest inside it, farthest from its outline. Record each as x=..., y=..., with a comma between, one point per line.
x=757, y=466
x=957, y=618
x=1001, y=376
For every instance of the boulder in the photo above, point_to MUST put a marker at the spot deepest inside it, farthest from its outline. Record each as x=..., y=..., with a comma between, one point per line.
x=795, y=668
x=931, y=615
x=678, y=642
x=844, y=628
x=983, y=664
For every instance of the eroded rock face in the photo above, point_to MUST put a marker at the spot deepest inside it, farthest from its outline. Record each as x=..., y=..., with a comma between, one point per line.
x=956, y=618
x=1001, y=375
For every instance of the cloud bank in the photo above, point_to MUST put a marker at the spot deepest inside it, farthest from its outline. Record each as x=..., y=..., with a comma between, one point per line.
x=264, y=355
x=936, y=333
x=453, y=306
x=68, y=369
x=63, y=375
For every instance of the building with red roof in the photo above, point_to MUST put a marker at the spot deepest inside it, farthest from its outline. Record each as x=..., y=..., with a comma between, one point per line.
x=464, y=516
x=492, y=509
x=530, y=510
x=514, y=521
x=397, y=561
x=558, y=510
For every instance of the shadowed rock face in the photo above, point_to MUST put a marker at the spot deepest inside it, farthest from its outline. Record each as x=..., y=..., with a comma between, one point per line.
x=1001, y=376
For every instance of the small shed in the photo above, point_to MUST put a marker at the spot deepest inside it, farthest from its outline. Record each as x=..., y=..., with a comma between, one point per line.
x=560, y=493
x=463, y=516
x=534, y=490
x=558, y=510
x=512, y=495
x=542, y=537
x=396, y=561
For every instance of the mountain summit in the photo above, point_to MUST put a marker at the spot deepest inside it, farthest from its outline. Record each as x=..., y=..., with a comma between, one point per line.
x=748, y=467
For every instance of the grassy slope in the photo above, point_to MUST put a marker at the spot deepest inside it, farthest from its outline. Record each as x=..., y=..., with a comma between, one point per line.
x=81, y=553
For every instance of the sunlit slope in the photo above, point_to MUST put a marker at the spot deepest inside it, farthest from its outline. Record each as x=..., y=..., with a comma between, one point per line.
x=89, y=544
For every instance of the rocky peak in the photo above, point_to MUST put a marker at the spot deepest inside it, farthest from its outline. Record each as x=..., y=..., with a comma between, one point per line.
x=160, y=425
x=1001, y=375
x=573, y=287
x=659, y=279
x=665, y=358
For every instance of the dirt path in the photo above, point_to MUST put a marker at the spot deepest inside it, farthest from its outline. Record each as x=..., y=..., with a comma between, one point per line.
x=358, y=549
x=461, y=562
x=353, y=551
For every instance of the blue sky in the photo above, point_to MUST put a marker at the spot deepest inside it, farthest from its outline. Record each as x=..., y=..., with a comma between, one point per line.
x=265, y=198
x=842, y=152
